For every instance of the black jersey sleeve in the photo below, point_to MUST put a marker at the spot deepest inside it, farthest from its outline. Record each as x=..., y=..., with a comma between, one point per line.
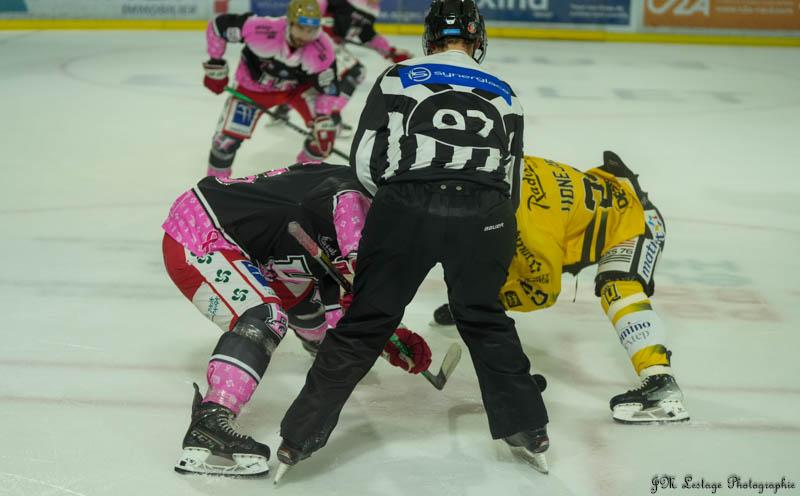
x=229, y=26
x=351, y=24
x=369, y=151
x=518, y=126
x=326, y=81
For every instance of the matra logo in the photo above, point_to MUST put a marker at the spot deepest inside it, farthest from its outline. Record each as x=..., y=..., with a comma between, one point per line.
x=679, y=7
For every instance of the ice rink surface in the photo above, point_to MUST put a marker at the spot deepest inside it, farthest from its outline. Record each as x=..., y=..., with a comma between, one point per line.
x=101, y=131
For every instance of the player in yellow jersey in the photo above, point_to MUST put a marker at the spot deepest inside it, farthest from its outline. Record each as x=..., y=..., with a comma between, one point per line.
x=568, y=220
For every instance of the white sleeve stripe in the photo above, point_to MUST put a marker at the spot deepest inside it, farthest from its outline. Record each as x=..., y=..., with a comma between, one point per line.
x=363, y=158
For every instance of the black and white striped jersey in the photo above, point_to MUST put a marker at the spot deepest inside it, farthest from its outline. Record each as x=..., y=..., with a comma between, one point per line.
x=439, y=117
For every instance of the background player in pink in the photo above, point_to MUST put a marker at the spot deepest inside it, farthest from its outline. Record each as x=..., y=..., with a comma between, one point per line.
x=353, y=22
x=227, y=249
x=285, y=60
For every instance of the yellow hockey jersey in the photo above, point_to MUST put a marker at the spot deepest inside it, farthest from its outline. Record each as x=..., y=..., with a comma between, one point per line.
x=565, y=221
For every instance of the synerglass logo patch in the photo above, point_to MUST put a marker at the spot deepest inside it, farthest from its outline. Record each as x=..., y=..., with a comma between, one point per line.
x=419, y=74
x=455, y=75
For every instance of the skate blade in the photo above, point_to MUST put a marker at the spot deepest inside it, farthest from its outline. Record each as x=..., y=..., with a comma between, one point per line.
x=666, y=412
x=535, y=460
x=433, y=323
x=281, y=471
x=195, y=461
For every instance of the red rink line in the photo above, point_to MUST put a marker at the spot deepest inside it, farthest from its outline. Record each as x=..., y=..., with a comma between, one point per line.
x=733, y=224
x=40, y=364
x=93, y=402
x=574, y=379
x=591, y=436
x=67, y=208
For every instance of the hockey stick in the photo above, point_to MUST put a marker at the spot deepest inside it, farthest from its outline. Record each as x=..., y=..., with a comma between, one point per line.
x=451, y=358
x=281, y=118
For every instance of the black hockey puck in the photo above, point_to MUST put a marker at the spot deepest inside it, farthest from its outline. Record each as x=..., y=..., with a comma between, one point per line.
x=443, y=317
x=540, y=381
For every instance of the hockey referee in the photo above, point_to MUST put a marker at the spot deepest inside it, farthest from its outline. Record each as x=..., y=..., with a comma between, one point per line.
x=439, y=145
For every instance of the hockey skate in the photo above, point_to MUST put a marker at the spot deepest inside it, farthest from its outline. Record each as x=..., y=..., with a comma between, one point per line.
x=443, y=317
x=280, y=116
x=343, y=130
x=213, y=447
x=530, y=446
x=657, y=400
x=312, y=347
x=288, y=456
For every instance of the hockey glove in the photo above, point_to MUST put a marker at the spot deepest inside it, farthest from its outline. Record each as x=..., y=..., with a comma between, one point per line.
x=398, y=55
x=323, y=131
x=216, y=75
x=345, y=300
x=416, y=345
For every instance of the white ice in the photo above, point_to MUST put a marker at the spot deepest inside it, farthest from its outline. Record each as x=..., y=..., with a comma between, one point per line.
x=100, y=131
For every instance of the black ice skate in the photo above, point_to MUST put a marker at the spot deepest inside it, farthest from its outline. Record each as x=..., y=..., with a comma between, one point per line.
x=658, y=400
x=288, y=456
x=530, y=447
x=443, y=317
x=280, y=115
x=212, y=438
x=312, y=347
x=343, y=130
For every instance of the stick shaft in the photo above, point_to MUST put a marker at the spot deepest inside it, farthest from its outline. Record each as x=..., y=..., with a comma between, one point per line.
x=313, y=249
x=283, y=119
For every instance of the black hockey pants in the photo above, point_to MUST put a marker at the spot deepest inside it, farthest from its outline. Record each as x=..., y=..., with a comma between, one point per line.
x=471, y=230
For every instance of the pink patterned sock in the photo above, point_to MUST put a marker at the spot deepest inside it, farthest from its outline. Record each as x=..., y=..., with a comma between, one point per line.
x=215, y=172
x=305, y=158
x=228, y=385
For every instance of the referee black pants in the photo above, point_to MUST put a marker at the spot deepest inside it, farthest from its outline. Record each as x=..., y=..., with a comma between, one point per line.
x=471, y=230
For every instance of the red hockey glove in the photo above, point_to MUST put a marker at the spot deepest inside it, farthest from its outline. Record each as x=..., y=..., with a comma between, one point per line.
x=216, y=75
x=398, y=55
x=345, y=300
x=323, y=135
x=420, y=352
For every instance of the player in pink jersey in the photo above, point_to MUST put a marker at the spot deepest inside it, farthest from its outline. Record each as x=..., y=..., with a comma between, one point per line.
x=227, y=249
x=285, y=60
x=353, y=22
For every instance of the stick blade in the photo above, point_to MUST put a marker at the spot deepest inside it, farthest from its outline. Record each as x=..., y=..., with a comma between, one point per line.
x=451, y=359
x=449, y=363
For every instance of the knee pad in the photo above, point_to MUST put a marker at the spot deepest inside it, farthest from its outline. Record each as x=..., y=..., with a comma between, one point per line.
x=636, y=258
x=264, y=325
x=351, y=79
x=223, y=150
x=247, y=347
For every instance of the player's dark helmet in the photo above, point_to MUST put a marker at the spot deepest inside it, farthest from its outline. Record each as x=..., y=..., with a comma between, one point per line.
x=455, y=19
